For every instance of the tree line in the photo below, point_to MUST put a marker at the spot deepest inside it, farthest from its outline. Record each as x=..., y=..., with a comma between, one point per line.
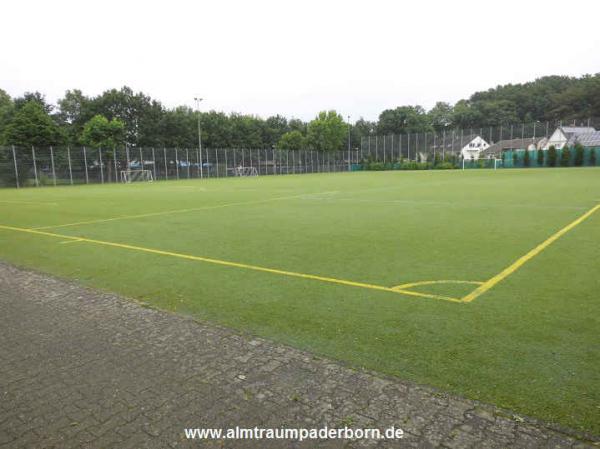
x=123, y=117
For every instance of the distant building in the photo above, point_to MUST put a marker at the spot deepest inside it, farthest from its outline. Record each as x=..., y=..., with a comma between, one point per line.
x=470, y=146
x=475, y=145
x=567, y=135
x=495, y=150
x=591, y=139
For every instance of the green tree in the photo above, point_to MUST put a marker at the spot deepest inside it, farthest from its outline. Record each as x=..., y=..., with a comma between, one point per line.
x=552, y=156
x=540, y=157
x=441, y=116
x=327, y=132
x=7, y=108
x=74, y=110
x=404, y=120
x=578, y=154
x=140, y=114
x=273, y=129
x=246, y=131
x=32, y=126
x=465, y=115
x=526, y=158
x=565, y=157
x=293, y=140
x=36, y=97
x=99, y=132
x=179, y=128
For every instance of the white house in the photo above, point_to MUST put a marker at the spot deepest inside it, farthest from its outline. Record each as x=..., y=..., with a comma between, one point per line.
x=475, y=145
x=564, y=135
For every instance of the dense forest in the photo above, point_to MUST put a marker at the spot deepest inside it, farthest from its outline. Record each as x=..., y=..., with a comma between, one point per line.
x=124, y=117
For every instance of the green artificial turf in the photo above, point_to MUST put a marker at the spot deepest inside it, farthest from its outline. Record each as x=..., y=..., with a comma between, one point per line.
x=530, y=344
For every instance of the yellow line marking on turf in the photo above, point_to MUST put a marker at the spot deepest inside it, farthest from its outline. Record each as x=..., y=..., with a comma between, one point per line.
x=527, y=257
x=65, y=242
x=419, y=283
x=175, y=211
x=233, y=264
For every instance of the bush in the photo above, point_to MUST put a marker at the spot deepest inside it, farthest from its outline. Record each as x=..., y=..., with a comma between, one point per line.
x=540, y=158
x=565, y=157
x=552, y=156
x=445, y=166
x=526, y=158
x=578, y=155
x=515, y=158
x=376, y=166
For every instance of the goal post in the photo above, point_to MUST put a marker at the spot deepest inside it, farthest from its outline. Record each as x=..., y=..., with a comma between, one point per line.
x=129, y=176
x=245, y=171
x=482, y=163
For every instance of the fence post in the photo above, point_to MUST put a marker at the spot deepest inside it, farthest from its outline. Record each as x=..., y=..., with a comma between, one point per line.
x=444, y=147
x=70, y=166
x=52, y=164
x=153, y=164
x=16, y=169
x=176, y=164
x=187, y=161
x=208, y=162
x=101, y=165
x=166, y=167
x=115, y=163
x=293, y=162
x=37, y=184
x=87, y=180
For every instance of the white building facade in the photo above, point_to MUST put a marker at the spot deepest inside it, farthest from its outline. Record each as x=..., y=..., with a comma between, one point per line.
x=473, y=148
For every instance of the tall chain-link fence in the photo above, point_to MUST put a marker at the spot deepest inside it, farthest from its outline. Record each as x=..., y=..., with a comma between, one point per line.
x=454, y=143
x=39, y=166
x=35, y=166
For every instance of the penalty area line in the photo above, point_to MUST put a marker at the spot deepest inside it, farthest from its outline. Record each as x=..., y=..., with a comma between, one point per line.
x=233, y=264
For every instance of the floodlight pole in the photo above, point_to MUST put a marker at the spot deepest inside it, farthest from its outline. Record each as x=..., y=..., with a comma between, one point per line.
x=198, y=100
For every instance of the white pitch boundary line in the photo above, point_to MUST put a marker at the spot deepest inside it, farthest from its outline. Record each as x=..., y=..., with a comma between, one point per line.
x=176, y=211
x=447, y=203
x=29, y=203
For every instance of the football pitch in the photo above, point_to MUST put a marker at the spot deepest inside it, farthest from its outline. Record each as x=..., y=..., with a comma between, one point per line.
x=479, y=282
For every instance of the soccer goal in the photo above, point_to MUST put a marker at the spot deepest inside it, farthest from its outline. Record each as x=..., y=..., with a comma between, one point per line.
x=482, y=163
x=129, y=176
x=246, y=171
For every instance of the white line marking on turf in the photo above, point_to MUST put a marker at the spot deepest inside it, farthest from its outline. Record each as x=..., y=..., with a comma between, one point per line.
x=34, y=203
x=446, y=203
x=177, y=211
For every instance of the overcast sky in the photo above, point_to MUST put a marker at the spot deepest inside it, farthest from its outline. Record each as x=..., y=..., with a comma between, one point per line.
x=293, y=57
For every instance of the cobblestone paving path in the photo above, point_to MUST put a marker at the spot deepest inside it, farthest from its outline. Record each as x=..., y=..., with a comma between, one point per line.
x=81, y=368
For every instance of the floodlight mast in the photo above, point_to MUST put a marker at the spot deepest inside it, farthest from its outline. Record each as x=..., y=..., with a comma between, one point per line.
x=198, y=100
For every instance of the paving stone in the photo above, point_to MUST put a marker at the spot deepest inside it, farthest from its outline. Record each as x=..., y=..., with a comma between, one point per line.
x=86, y=369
